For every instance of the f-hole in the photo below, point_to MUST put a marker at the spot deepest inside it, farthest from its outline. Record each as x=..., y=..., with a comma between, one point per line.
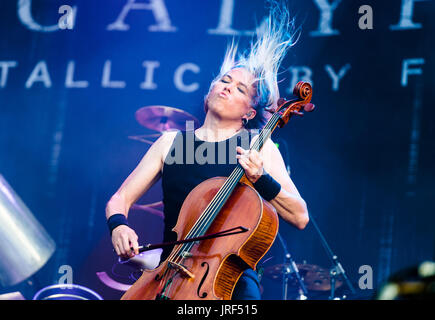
x=204, y=294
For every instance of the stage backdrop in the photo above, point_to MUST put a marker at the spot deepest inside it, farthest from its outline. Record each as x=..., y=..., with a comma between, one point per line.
x=73, y=73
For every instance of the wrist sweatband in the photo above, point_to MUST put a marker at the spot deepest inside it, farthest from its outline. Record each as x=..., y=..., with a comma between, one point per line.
x=116, y=220
x=267, y=186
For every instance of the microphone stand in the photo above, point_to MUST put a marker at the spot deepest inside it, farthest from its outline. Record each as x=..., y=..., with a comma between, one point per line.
x=336, y=269
x=290, y=267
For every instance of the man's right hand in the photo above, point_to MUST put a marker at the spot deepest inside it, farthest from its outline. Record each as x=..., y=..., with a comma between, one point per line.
x=124, y=239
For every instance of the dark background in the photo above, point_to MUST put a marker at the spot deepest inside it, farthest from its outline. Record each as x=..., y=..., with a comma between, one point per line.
x=363, y=161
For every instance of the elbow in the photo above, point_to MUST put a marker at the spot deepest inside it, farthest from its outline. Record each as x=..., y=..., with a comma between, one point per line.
x=303, y=221
x=303, y=217
x=116, y=204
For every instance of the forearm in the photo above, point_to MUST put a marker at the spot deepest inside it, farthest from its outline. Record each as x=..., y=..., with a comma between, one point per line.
x=292, y=208
x=271, y=180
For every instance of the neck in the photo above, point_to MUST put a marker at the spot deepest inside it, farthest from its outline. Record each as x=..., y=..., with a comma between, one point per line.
x=215, y=129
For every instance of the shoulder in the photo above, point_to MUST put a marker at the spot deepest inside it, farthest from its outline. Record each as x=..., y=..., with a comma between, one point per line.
x=165, y=138
x=169, y=136
x=165, y=141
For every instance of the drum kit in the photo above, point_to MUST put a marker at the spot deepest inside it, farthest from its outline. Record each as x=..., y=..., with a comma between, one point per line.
x=315, y=279
x=301, y=281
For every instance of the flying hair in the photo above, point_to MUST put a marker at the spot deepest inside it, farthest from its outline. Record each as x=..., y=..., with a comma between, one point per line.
x=267, y=50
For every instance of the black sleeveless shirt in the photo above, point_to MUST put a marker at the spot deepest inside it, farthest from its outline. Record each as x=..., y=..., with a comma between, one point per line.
x=189, y=162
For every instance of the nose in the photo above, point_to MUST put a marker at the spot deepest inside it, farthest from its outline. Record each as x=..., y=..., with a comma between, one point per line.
x=228, y=87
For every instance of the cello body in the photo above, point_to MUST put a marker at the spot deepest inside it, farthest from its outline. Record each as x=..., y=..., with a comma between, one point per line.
x=212, y=267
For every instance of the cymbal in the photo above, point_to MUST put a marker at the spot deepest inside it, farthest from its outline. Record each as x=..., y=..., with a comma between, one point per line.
x=155, y=208
x=314, y=277
x=163, y=118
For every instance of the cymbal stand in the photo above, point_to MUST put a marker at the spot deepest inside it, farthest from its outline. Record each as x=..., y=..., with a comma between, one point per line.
x=336, y=269
x=144, y=137
x=291, y=268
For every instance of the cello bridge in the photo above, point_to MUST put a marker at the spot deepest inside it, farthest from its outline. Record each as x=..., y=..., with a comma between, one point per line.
x=185, y=273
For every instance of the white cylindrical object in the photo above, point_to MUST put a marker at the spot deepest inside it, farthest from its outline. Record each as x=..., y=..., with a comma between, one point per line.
x=25, y=246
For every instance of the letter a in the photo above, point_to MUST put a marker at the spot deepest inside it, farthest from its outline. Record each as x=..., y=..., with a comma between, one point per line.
x=365, y=21
x=156, y=6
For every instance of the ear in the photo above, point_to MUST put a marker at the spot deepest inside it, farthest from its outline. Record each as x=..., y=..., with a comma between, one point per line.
x=251, y=114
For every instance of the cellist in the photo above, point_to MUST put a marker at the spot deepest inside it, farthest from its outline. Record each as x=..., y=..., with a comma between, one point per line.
x=234, y=106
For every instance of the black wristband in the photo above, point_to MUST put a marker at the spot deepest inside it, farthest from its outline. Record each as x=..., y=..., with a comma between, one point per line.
x=267, y=186
x=116, y=220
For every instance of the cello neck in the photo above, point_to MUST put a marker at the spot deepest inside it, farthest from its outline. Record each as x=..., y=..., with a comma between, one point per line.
x=266, y=132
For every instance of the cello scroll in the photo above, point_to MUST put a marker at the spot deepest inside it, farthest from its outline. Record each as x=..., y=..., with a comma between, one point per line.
x=286, y=108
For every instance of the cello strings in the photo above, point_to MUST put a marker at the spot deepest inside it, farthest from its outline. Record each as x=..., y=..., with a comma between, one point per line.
x=223, y=195
x=203, y=221
x=192, y=230
x=203, y=225
x=205, y=216
x=255, y=146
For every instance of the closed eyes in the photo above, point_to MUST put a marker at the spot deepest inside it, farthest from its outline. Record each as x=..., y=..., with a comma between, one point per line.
x=241, y=87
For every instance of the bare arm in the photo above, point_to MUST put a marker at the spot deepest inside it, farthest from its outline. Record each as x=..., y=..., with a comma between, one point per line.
x=288, y=202
x=143, y=177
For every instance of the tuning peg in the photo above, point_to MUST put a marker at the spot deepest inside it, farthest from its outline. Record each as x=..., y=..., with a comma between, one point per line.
x=297, y=113
x=309, y=107
x=270, y=109
x=280, y=101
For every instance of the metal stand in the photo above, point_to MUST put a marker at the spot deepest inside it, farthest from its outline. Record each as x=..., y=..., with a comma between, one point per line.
x=291, y=268
x=336, y=269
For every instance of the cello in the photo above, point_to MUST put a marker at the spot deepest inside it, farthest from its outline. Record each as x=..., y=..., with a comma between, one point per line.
x=224, y=227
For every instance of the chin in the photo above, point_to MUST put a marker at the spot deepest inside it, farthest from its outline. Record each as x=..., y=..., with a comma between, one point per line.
x=215, y=105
